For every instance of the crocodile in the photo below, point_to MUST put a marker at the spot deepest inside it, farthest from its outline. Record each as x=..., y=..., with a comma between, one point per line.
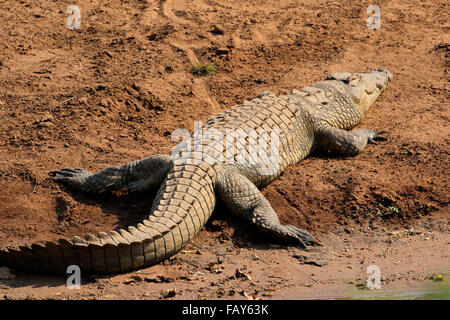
x=320, y=116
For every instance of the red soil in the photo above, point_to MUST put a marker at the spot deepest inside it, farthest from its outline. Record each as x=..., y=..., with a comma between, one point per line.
x=116, y=89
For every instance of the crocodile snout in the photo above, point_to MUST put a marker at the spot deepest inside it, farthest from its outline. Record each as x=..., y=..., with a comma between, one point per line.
x=386, y=72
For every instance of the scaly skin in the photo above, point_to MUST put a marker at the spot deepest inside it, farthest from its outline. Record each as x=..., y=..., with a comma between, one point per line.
x=319, y=116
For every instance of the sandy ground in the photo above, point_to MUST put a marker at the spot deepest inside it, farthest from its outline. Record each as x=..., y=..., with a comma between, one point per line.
x=116, y=89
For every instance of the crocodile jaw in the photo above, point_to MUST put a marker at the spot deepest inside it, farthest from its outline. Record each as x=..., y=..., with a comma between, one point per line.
x=366, y=87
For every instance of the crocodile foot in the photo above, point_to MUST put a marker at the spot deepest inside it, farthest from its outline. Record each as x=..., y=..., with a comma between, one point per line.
x=373, y=137
x=71, y=177
x=292, y=234
x=299, y=235
x=68, y=174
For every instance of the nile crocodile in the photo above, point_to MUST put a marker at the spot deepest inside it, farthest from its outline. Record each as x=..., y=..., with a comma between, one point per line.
x=320, y=116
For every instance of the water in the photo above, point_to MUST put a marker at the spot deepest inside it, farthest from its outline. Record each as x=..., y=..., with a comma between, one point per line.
x=428, y=293
x=411, y=295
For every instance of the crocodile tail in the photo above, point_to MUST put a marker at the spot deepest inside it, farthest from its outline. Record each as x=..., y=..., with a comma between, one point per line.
x=182, y=206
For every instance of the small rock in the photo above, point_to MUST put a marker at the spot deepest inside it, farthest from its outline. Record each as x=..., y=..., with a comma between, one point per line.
x=159, y=279
x=169, y=293
x=47, y=117
x=314, y=260
x=83, y=100
x=104, y=102
x=222, y=51
x=217, y=30
x=103, y=110
x=45, y=124
x=137, y=278
x=6, y=274
x=240, y=273
x=213, y=268
x=128, y=281
x=136, y=87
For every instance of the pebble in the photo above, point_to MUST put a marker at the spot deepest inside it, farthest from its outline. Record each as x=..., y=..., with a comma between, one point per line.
x=83, y=100
x=6, y=274
x=104, y=102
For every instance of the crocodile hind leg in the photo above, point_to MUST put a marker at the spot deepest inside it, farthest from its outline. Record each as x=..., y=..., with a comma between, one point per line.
x=137, y=175
x=244, y=199
x=346, y=142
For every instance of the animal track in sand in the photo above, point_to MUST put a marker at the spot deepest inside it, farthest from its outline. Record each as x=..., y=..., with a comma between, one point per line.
x=201, y=89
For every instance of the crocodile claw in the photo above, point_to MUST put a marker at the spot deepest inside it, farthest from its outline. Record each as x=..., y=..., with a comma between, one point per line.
x=72, y=177
x=68, y=173
x=299, y=235
x=374, y=137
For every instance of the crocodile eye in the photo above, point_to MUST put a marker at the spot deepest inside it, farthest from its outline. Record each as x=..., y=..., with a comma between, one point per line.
x=353, y=80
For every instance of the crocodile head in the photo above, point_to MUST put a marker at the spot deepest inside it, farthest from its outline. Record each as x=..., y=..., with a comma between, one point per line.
x=364, y=87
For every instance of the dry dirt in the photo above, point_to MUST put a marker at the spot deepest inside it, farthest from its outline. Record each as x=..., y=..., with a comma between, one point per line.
x=116, y=89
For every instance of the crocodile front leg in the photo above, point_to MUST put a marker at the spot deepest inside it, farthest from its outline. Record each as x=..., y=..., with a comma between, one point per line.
x=346, y=142
x=137, y=175
x=244, y=199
